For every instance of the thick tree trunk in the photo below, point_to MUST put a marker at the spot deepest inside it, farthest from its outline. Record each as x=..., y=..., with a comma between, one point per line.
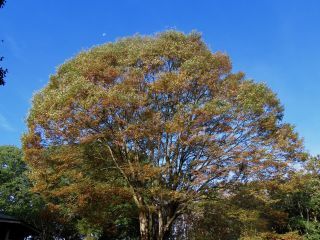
x=163, y=219
x=163, y=233
x=160, y=225
x=144, y=226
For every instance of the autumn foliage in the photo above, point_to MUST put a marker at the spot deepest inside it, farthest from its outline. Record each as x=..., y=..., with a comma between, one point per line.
x=153, y=123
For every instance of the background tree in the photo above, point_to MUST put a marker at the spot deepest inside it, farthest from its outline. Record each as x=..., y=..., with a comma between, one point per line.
x=277, y=209
x=300, y=199
x=253, y=210
x=16, y=198
x=2, y=2
x=3, y=71
x=163, y=114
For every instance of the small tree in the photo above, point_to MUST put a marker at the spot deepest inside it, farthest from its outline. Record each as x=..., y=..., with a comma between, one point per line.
x=166, y=116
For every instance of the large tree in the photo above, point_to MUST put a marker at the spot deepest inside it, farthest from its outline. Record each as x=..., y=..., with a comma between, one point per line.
x=163, y=114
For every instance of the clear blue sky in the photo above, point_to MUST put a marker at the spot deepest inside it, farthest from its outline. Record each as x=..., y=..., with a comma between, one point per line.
x=277, y=42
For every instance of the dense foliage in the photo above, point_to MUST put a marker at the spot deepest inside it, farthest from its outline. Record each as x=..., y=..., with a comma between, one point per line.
x=153, y=124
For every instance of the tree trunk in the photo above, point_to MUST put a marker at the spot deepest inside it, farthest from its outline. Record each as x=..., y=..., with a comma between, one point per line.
x=164, y=219
x=144, y=226
x=163, y=233
x=160, y=225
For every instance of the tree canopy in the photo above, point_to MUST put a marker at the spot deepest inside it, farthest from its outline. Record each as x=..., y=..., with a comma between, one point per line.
x=155, y=121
